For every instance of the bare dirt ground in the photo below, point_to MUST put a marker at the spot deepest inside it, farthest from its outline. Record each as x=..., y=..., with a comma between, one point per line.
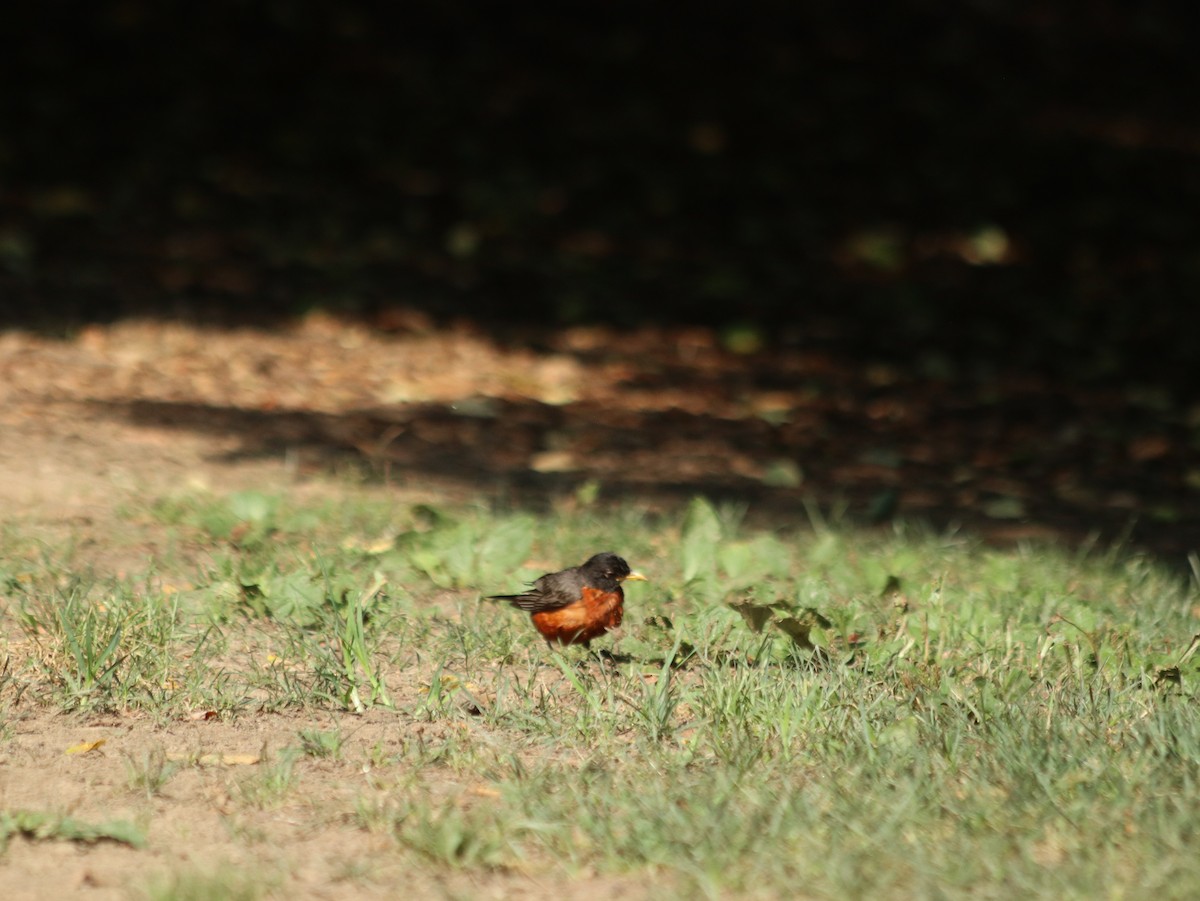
x=306, y=846
x=121, y=414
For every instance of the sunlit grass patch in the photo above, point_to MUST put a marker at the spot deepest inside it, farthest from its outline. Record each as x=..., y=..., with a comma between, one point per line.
x=896, y=713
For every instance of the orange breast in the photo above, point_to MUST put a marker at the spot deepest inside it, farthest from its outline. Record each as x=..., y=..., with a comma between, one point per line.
x=589, y=618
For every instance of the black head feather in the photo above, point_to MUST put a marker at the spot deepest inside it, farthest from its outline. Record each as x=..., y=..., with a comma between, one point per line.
x=605, y=567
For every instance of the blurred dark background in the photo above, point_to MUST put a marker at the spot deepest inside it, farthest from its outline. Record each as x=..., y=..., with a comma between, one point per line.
x=980, y=184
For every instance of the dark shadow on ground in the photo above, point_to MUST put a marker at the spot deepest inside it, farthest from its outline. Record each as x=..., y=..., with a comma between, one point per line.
x=1078, y=488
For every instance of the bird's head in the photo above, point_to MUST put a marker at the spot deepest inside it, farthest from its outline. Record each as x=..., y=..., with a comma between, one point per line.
x=608, y=565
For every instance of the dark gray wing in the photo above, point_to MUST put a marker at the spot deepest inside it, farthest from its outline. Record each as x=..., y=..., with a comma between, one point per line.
x=551, y=592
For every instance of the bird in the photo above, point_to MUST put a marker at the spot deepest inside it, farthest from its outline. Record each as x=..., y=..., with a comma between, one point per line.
x=573, y=606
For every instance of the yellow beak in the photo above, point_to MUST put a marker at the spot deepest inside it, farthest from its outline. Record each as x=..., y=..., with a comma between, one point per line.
x=635, y=577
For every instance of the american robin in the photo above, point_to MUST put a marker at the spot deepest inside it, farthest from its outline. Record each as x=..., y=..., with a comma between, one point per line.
x=575, y=605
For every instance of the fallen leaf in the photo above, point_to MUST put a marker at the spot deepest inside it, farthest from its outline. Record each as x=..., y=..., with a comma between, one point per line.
x=369, y=545
x=239, y=759
x=86, y=747
x=553, y=461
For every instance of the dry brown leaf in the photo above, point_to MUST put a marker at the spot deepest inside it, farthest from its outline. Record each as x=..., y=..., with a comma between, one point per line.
x=553, y=461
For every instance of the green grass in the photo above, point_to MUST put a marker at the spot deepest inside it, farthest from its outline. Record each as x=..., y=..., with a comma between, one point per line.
x=222, y=885
x=150, y=772
x=972, y=722
x=43, y=826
